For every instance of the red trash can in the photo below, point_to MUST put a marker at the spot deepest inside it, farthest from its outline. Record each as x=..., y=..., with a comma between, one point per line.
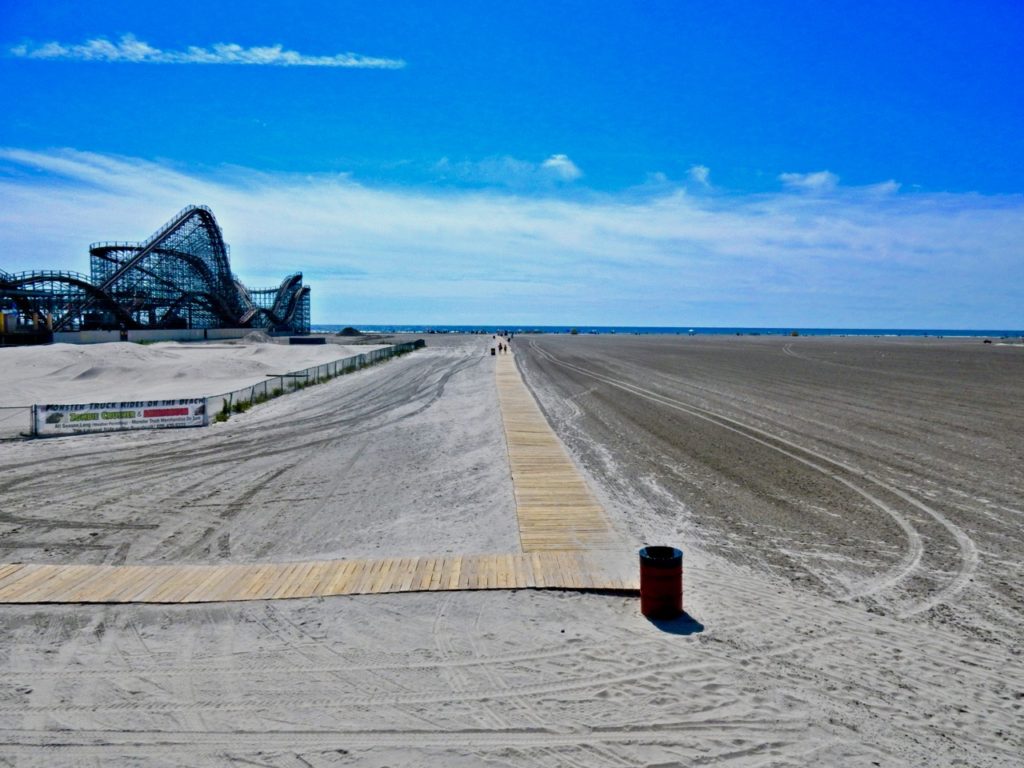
x=661, y=582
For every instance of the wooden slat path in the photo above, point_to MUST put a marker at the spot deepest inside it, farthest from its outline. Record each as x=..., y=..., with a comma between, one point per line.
x=556, y=510
x=319, y=578
x=567, y=543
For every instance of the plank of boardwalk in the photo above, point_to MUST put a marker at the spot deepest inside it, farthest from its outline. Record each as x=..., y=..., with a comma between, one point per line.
x=8, y=570
x=341, y=583
x=41, y=582
x=24, y=580
x=571, y=569
x=181, y=585
x=555, y=508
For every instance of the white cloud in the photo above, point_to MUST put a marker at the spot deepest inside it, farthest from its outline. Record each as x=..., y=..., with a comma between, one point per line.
x=562, y=168
x=509, y=171
x=129, y=49
x=656, y=257
x=700, y=174
x=820, y=181
x=890, y=187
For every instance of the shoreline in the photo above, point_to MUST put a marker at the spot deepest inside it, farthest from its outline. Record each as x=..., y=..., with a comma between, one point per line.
x=612, y=330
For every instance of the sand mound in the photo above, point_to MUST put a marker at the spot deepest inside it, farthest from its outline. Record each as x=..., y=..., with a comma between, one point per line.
x=71, y=373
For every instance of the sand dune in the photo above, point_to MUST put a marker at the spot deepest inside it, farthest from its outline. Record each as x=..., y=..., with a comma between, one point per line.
x=75, y=373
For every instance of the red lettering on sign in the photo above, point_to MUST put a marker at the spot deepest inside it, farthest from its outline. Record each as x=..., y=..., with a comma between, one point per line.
x=152, y=413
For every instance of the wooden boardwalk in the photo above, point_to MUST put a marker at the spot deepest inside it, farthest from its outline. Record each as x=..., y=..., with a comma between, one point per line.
x=556, y=510
x=567, y=543
x=317, y=578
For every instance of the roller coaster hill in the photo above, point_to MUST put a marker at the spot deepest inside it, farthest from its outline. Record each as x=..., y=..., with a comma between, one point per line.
x=180, y=278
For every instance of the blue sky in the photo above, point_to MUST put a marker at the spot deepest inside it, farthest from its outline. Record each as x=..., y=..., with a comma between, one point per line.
x=812, y=164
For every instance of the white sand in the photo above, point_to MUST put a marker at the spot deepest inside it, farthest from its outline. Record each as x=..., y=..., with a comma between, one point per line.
x=82, y=373
x=408, y=458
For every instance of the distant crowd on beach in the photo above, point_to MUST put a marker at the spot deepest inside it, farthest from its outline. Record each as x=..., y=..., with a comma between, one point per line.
x=500, y=345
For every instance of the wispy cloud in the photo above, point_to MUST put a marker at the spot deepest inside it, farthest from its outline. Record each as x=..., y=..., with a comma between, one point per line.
x=561, y=167
x=700, y=174
x=814, y=182
x=889, y=187
x=847, y=257
x=510, y=171
x=131, y=50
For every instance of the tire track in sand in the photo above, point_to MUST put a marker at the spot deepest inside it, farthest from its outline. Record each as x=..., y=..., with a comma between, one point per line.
x=83, y=742
x=910, y=563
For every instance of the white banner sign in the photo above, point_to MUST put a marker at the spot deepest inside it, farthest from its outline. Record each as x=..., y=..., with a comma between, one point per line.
x=109, y=417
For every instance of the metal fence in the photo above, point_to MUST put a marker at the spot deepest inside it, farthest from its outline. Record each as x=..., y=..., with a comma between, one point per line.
x=15, y=421
x=288, y=382
x=18, y=422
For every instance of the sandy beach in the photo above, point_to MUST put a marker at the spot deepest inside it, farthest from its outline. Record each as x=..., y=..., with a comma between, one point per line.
x=849, y=509
x=77, y=373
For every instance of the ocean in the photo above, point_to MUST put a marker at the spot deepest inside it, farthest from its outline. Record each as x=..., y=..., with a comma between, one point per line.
x=670, y=330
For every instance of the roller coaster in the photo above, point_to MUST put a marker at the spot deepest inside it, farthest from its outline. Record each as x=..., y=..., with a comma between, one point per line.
x=178, y=278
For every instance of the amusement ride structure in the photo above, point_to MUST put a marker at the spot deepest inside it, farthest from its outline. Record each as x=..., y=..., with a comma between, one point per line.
x=179, y=278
